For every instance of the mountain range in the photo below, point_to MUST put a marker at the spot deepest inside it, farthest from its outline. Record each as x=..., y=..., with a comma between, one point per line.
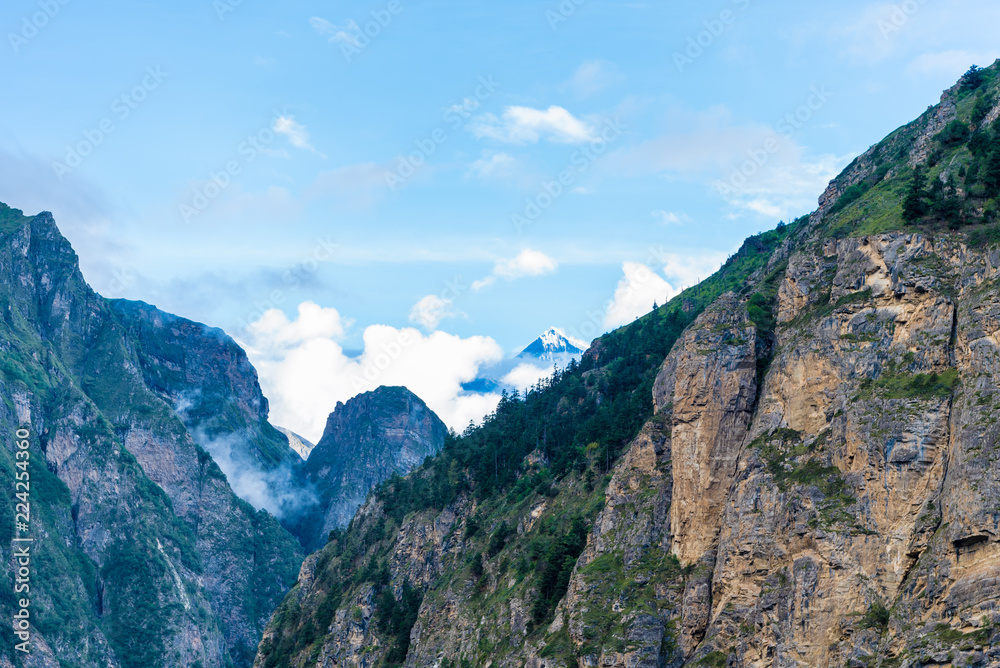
x=792, y=463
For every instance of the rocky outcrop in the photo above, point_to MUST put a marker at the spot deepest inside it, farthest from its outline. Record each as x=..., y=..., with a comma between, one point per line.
x=366, y=441
x=299, y=444
x=709, y=381
x=627, y=587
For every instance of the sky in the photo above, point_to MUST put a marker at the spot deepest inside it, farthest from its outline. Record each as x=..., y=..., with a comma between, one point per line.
x=400, y=192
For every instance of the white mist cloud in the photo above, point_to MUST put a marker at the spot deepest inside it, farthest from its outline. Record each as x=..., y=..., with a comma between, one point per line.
x=526, y=375
x=524, y=125
x=528, y=263
x=276, y=491
x=637, y=290
x=296, y=132
x=346, y=34
x=431, y=310
x=304, y=371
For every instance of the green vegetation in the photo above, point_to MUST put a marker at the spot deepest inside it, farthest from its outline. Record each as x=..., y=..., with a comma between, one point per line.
x=397, y=620
x=894, y=385
x=954, y=134
x=11, y=219
x=791, y=463
x=553, y=553
x=714, y=660
x=877, y=616
x=633, y=589
x=945, y=634
x=955, y=188
x=136, y=624
x=987, y=236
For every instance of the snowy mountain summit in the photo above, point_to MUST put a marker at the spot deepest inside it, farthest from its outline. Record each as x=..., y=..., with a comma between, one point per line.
x=553, y=344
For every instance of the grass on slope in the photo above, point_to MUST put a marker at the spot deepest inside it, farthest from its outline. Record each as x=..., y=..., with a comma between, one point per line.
x=960, y=176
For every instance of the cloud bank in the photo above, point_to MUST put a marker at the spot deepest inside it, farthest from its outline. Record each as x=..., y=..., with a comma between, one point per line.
x=304, y=370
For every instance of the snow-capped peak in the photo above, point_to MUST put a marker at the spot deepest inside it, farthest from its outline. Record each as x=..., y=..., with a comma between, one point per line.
x=554, y=341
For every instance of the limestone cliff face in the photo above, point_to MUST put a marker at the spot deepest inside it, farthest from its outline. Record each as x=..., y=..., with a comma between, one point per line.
x=710, y=383
x=366, y=441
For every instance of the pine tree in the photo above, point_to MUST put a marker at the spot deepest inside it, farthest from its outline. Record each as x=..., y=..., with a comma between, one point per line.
x=991, y=174
x=973, y=78
x=915, y=205
x=945, y=204
x=981, y=110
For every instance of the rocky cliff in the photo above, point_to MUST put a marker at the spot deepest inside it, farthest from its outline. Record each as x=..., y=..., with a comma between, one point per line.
x=142, y=555
x=791, y=464
x=371, y=438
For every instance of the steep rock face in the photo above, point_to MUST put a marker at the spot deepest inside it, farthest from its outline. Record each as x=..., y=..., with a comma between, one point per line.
x=710, y=383
x=366, y=441
x=207, y=378
x=832, y=496
x=145, y=555
x=627, y=588
x=299, y=444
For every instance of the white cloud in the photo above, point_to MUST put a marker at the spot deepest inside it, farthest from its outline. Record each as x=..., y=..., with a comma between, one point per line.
x=296, y=132
x=495, y=165
x=638, y=289
x=304, y=371
x=784, y=188
x=524, y=376
x=274, y=332
x=431, y=310
x=687, y=269
x=885, y=30
x=592, y=77
x=524, y=125
x=346, y=34
x=528, y=263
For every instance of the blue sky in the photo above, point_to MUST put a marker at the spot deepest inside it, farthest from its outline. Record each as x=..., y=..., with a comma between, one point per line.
x=395, y=166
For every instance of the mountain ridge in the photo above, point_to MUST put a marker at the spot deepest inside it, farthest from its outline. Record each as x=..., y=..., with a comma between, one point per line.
x=798, y=471
x=143, y=551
